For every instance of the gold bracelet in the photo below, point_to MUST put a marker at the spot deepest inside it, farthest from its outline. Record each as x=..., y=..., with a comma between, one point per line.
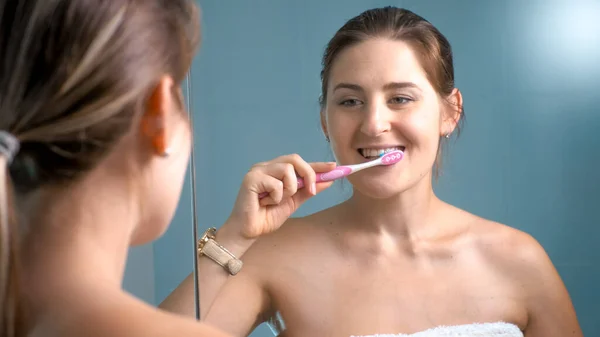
x=213, y=250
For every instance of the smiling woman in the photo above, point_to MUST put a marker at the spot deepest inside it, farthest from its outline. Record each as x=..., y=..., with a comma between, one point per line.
x=373, y=264
x=399, y=96
x=400, y=108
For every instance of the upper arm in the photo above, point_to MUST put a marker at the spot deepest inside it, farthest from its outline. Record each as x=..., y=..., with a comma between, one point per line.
x=239, y=305
x=118, y=315
x=550, y=310
x=243, y=301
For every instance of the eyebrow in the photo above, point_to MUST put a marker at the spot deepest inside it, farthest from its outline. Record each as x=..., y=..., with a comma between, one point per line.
x=388, y=86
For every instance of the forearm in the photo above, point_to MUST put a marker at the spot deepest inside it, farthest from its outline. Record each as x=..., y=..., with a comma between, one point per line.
x=211, y=277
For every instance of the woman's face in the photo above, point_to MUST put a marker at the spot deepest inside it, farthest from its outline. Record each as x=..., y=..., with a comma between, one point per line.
x=379, y=99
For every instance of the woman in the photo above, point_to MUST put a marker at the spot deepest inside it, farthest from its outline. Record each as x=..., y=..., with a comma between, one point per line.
x=393, y=259
x=94, y=145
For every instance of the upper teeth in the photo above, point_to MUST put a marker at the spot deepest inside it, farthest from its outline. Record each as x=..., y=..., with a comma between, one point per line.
x=376, y=152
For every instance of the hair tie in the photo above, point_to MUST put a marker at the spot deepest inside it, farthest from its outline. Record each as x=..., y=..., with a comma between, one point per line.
x=9, y=146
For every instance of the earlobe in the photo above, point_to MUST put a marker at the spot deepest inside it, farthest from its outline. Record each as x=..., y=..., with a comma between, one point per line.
x=154, y=122
x=448, y=126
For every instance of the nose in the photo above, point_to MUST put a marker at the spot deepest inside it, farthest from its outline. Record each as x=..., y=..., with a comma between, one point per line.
x=375, y=119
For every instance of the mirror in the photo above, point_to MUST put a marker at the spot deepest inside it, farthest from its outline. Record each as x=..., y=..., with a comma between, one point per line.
x=527, y=155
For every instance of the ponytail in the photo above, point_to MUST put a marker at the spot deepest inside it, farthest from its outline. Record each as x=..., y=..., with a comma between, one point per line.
x=11, y=318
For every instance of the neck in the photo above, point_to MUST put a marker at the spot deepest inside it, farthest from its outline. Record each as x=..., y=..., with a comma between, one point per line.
x=77, y=238
x=407, y=215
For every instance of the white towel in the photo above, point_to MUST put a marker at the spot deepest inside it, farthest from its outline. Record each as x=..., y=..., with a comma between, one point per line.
x=499, y=329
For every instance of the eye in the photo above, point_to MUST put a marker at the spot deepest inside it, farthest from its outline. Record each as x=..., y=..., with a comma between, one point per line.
x=400, y=100
x=350, y=102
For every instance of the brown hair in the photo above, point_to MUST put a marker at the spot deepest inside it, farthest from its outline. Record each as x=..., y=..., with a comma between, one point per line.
x=74, y=77
x=432, y=48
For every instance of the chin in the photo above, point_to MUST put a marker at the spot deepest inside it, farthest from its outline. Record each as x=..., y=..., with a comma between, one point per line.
x=378, y=186
x=149, y=231
x=377, y=194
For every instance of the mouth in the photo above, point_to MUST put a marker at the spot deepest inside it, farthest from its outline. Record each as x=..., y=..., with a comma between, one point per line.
x=373, y=153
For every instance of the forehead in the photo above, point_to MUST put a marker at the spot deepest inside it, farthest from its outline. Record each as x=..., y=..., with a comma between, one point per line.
x=375, y=62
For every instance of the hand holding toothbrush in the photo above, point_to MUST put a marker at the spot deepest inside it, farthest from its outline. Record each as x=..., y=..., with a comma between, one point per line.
x=272, y=191
x=270, y=194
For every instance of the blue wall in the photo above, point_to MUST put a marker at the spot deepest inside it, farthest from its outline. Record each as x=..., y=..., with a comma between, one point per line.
x=139, y=273
x=528, y=157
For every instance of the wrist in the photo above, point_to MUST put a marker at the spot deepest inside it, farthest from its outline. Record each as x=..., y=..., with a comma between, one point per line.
x=230, y=237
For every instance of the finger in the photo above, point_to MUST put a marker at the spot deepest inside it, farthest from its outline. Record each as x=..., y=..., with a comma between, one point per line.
x=290, y=180
x=304, y=170
x=257, y=165
x=270, y=185
x=258, y=182
x=303, y=195
x=320, y=167
x=322, y=186
x=284, y=172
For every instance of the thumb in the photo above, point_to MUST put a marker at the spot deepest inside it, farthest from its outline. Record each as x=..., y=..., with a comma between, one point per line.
x=302, y=195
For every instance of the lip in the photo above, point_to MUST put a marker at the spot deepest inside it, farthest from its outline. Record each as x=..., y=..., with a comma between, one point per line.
x=378, y=147
x=360, y=159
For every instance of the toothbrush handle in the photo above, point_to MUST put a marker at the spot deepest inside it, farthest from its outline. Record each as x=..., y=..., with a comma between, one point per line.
x=336, y=173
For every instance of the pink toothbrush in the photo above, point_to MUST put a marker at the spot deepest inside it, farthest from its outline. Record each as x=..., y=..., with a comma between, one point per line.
x=385, y=159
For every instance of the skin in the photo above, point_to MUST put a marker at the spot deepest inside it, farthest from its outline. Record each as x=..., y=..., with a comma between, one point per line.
x=393, y=258
x=84, y=230
x=75, y=255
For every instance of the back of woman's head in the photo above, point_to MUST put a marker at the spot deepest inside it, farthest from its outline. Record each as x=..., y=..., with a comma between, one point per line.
x=74, y=75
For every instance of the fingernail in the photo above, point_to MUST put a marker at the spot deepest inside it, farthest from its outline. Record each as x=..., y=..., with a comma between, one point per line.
x=313, y=188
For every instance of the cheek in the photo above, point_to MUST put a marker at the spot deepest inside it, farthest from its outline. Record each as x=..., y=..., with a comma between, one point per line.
x=164, y=184
x=423, y=126
x=340, y=130
x=164, y=196
x=341, y=125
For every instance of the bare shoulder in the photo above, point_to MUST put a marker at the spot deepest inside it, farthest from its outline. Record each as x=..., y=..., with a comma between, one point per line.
x=514, y=251
x=522, y=260
x=292, y=236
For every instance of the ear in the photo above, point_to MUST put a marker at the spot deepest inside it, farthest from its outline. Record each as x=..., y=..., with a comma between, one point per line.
x=452, y=112
x=161, y=106
x=324, y=123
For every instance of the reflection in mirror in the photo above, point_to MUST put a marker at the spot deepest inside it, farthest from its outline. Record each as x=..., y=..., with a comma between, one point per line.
x=524, y=158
